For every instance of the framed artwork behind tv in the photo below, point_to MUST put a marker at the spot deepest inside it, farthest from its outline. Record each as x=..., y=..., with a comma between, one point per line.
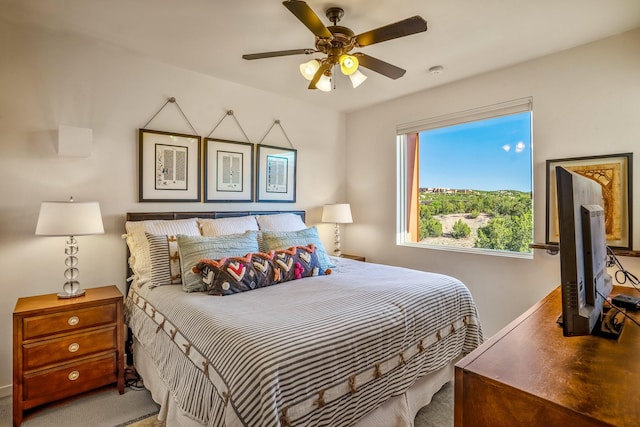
x=614, y=174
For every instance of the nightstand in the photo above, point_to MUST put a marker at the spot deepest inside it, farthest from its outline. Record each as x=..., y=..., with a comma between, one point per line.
x=356, y=257
x=63, y=347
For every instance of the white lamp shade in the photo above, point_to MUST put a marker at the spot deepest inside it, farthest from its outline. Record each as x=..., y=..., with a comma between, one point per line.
x=348, y=64
x=324, y=84
x=308, y=69
x=357, y=78
x=69, y=219
x=340, y=213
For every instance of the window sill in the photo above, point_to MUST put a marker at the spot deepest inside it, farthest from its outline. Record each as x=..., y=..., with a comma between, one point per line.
x=476, y=251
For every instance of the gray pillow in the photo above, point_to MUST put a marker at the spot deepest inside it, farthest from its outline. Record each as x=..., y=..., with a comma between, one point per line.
x=194, y=248
x=274, y=240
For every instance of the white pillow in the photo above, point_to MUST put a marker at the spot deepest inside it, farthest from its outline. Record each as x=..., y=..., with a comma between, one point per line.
x=280, y=222
x=226, y=226
x=140, y=260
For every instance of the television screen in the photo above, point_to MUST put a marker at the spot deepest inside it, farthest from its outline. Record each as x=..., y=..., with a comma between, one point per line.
x=585, y=282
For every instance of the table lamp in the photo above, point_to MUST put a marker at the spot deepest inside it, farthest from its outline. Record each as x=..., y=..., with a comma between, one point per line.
x=70, y=219
x=339, y=213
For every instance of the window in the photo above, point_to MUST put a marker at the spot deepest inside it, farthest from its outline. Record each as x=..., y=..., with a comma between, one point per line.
x=465, y=181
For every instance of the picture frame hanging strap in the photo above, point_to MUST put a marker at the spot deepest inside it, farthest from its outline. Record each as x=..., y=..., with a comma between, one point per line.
x=227, y=114
x=171, y=100
x=277, y=122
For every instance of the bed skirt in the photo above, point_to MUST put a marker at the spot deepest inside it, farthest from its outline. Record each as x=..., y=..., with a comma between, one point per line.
x=399, y=411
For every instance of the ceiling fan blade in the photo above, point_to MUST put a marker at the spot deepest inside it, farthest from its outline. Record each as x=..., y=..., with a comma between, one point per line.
x=413, y=25
x=316, y=77
x=307, y=16
x=379, y=66
x=278, y=53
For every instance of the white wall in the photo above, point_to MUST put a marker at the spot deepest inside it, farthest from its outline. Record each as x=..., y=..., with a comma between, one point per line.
x=586, y=102
x=48, y=79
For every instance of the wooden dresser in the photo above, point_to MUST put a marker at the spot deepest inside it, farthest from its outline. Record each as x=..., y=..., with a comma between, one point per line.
x=529, y=374
x=63, y=347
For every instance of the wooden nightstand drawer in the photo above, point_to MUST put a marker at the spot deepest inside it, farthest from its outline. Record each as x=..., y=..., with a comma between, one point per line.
x=70, y=379
x=69, y=347
x=70, y=320
x=64, y=347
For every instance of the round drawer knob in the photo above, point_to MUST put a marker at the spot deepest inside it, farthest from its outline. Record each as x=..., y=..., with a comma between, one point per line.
x=73, y=320
x=74, y=375
x=73, y=347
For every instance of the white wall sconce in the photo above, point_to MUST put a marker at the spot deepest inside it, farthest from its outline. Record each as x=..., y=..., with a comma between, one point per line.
x=74, y=141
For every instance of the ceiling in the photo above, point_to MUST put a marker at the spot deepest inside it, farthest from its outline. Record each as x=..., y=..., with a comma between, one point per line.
x=210, y=36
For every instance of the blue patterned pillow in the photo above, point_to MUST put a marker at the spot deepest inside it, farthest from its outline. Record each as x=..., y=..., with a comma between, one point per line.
x=275, y=240
x=296, y=262
x=194, y=248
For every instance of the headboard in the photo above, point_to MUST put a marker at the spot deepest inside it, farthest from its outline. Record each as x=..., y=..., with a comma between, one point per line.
x=142, y=216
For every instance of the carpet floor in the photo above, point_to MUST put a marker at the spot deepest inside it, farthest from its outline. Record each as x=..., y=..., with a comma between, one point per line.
x=107, y=408
x=101, y=408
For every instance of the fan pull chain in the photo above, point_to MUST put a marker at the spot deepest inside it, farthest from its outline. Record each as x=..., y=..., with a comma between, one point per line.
x=173, y=101
x=227, y=114
x=277, y=122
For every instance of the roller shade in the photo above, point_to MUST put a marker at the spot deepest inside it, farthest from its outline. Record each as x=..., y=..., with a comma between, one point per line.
x=502, y=109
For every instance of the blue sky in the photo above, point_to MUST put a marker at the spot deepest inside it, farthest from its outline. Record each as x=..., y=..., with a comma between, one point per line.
x=492, y=154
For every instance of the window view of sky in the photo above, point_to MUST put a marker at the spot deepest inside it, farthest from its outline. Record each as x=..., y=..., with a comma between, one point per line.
x=492, y=154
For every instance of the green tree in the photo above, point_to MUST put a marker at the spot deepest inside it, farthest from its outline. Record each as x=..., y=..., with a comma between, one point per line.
x=430, y=227
x=521, y=232
x=494, y=235
x=508, y=233
x=460, y=230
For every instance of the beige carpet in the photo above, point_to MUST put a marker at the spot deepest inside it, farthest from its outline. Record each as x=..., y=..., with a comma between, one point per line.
x=439, y=413
x=102, y=408
x=107, y=408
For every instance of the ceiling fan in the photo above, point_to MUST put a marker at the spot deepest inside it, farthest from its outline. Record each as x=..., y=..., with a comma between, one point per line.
x=336, y=42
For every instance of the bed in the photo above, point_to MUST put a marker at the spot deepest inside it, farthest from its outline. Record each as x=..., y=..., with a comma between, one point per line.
x=365, y=345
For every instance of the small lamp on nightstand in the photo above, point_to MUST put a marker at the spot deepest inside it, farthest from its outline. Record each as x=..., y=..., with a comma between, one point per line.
x=70, y=219
x=339, y=213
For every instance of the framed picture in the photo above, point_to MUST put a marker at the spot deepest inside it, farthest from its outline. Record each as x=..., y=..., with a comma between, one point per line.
x=169, y=167
x=228, y=171
x=613, y=173
x=276, y=174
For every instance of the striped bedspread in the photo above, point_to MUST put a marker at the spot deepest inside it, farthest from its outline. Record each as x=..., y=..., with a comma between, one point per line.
x=320, y=351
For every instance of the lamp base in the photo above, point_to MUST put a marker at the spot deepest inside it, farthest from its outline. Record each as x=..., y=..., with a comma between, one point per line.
x=336, y=241
x=66, y=295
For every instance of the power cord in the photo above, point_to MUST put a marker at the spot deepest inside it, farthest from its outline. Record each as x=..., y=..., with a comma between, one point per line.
x=132, y=379
x=620, y=310
x=621, y=275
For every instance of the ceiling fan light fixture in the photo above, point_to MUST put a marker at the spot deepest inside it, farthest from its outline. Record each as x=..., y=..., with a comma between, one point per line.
x=324, y=84
x=357, y=78
x=308, y=69
x=348, y=64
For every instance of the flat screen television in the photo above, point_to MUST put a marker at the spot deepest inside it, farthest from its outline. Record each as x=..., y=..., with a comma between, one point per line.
x=585, y=282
